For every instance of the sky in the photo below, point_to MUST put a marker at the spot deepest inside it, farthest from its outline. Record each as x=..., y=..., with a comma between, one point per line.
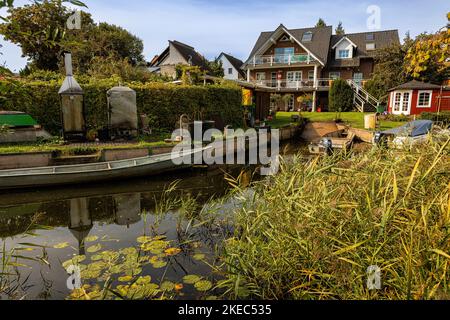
x=233, y=26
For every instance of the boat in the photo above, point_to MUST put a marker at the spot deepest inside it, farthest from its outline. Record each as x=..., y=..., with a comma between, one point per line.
x=95, y=172
x=412, y=133
x=340, y=140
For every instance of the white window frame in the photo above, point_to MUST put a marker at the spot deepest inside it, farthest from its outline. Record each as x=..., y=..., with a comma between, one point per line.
x=311, y=75
x=292, y=77
x=261, y=78
x=370, y=47
x=290, y=103
x=344, y=50
x=401, y=102
x=430, y=92
x=336, y=74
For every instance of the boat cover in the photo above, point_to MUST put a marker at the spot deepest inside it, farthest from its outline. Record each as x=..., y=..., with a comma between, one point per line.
x=412, y=129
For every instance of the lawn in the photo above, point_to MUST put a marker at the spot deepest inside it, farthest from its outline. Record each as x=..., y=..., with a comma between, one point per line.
x=353, y=119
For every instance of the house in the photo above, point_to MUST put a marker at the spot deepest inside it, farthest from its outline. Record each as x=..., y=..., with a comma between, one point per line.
x=415, y=97
x=175, y=54
x=232, y=67
x=299, y=62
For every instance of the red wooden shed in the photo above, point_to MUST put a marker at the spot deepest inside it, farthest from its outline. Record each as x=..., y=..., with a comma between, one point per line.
x=415, y=97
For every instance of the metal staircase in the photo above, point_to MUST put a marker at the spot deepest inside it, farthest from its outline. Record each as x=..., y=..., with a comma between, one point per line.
x=362, y=99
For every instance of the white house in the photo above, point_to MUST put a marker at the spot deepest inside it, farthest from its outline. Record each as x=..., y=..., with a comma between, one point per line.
x=231, y=67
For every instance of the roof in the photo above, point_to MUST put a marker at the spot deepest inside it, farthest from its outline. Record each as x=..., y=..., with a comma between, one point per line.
x=70, y=86
x=416, y=85
x=381, y=39
x=186, y=51
x=319, y=45
x=235, y=62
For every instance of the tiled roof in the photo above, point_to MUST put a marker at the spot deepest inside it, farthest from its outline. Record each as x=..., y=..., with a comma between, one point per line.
x=416, y=85
x=189, y=53
x=381, y=39
x=236, y=63
x=319, y=45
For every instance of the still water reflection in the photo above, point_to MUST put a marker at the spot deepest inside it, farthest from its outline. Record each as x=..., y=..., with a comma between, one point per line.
x=52, y=225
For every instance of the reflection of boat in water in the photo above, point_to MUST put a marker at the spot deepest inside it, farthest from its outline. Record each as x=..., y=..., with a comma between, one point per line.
x=341, y=140
x=412, y=133
x=73, y=174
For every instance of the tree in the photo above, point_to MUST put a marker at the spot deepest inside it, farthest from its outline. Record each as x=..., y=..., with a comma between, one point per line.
x=216, y=68
x=427, y=58
x=340, y=29
x=320, y=23
x=389, y=69
x=40, y=30
x=340, y=96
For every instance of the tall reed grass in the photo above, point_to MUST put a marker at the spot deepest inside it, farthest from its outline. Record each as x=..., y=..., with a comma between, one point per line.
x=313, y=231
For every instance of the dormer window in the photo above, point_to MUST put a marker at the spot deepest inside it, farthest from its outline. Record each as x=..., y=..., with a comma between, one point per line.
x=307, y=36
x=370, y=37
x=344, y=54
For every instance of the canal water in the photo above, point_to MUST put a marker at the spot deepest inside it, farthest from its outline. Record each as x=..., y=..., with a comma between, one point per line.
x=158, y=234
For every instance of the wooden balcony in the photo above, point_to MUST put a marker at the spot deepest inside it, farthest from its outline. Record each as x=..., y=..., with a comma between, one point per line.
x=263, y=61
x=294, y=85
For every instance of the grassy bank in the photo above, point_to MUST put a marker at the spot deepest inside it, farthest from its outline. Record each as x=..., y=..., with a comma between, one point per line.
x=314, y=231
x=353, y=119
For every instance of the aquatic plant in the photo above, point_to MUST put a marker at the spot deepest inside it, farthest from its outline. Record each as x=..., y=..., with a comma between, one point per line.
x=314, y=230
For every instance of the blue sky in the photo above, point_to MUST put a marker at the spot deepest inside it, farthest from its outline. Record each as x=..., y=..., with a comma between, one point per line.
x=233, y=26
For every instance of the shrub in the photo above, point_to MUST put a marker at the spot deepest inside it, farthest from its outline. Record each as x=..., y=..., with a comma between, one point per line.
x=437, y=117
x=163, y=102
x=340, y=96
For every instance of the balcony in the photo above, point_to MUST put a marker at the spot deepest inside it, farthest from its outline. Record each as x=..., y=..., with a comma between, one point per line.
x=282, y=60
x=298, y=85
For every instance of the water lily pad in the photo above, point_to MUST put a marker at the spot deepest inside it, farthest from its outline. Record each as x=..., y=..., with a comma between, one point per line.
x=144, y=239
x=76, y=260
x=203, y=285
x=198, y=256
x=94, y=248
x=212, y=298
x=91, y=239
x=172, y=251
x=61, y=245
x=191, y=279
x=167, y=286
x=125, y=278
x=159, y=264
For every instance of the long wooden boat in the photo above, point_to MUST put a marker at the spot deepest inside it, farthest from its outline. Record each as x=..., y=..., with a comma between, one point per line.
x=88, y=173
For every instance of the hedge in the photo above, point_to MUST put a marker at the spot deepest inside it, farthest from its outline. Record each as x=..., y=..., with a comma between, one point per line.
x=443, y=116
x=163, y=103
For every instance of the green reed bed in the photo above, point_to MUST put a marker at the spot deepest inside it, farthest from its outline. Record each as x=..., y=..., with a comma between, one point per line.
x=316, y=227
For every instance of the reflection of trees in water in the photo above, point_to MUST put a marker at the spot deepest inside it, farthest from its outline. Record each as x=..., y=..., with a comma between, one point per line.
x=121, y=209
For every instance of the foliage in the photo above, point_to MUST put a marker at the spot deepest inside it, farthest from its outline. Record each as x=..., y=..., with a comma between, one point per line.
x=340, y=29
x=215, y=68
x=340, y=96
x=427, y=59
x=164, y=102
x=40, y=30
x=443, y=117
x=189, y=74
x=320, y=23
x=313, y=232
x=389, y=70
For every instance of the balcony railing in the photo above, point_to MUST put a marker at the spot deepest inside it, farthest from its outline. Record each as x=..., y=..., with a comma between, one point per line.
x=277, y=60
x=294, y=84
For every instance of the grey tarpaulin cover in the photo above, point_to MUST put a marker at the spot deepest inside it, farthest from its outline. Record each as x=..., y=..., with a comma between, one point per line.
x=122, y=108
x=412, y=129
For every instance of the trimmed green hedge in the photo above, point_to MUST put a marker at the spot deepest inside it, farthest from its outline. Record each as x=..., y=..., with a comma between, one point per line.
x=163, y=103
x=443, y=116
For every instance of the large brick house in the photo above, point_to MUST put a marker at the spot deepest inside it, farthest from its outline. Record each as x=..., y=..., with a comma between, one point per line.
x=296, y=62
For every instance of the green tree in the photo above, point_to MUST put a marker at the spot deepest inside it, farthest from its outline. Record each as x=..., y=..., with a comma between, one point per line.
x=320, y=23
x=216, y=68
x=40, y=30
x=340, y=96
x=340, y=29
